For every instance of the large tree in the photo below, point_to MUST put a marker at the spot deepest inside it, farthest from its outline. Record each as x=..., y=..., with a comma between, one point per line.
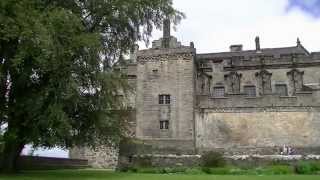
x=57, y=87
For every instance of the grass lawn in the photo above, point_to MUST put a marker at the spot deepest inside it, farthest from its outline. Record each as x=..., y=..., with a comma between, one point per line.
x=108, y=175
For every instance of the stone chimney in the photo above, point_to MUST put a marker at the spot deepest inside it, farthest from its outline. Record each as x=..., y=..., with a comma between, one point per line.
x=257, y=43
x=166, y=33
x=298, y=42
x=236, y=48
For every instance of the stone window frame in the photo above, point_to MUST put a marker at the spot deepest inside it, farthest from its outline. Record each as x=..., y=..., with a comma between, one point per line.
x=164, y=99
x=217, y=95
x=247, y=93
x=277, y=89
x=164, y=124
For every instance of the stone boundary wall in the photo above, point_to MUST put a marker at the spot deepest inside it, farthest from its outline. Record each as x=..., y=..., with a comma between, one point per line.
x=102, y=157
x=261, y=160
x=153, y=160
x=46, y=163
x=169, y=160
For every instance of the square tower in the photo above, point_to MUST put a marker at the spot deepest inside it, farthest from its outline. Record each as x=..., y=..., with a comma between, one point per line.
x=165, y=94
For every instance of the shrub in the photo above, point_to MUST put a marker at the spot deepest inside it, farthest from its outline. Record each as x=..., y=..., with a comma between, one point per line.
x=213, y=159
x=277, y=170
x=217, y=171
x=310, y=167
x=194, y=171
x=143, y=162
x=158, y=170
x=175, y=170
x=149, y=170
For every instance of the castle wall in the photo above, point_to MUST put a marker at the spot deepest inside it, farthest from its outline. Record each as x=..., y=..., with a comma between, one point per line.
x=262, y=124
x=165, y=72
x=103, y=157
x=261, y=131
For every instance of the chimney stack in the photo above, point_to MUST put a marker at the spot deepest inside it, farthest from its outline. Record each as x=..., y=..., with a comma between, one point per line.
x=166, y=33
x=257, y=43
x=236, y=48
x=298, y=42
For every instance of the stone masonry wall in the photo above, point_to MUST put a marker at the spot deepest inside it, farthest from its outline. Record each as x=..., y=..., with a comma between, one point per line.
x=104, y=157
x=259, y=132
x=169, y=72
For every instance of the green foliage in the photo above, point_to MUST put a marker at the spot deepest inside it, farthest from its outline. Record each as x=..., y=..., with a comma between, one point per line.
x=303, y=167
x=276, y=170
x=105, y=175
x=268, y=170
x=213, y=159
x=164, y=170
x=194, y=171
x=307, y=167
x=217, y=171
x=143, y=162
x=57, y=86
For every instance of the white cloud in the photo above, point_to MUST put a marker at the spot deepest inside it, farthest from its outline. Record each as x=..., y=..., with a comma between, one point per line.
x=214, y=25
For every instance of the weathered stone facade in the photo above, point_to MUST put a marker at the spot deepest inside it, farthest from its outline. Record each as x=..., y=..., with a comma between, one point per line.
x=241, y=102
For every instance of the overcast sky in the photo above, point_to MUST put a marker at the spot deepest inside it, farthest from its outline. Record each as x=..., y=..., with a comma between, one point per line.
x=213, y=25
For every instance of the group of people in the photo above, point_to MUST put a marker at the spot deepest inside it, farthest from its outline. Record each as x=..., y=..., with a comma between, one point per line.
x=286, y=150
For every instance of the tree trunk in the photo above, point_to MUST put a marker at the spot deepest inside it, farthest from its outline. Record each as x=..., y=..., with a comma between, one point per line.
x=11, y=153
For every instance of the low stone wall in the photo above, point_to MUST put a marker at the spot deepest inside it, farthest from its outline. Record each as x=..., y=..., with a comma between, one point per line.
x=45, y=163
x=152, y=160
x=260, y=160
x=168, y=160
x=103, y=157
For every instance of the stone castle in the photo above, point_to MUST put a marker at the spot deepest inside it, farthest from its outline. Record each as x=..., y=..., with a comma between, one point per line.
x=237, y=102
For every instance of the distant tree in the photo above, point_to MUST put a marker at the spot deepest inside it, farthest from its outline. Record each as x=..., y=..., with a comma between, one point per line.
x=57, y=87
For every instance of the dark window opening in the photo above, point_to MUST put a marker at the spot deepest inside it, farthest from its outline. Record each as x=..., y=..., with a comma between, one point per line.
x=281, y=90
x=250, y=91
x=164, y=99
x=164, y=124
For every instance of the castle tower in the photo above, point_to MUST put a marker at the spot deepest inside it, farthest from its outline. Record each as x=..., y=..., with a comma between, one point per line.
x=165, y=94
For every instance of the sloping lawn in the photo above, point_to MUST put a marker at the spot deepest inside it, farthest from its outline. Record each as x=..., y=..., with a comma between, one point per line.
x=109, y=175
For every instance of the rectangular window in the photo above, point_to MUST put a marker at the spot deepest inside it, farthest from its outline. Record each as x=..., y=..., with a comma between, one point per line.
x=167, y=99
x=161, y=99
x=281, y=89
x=250, y=91
x=164, y=99
x=164, y=124
x=218, y=92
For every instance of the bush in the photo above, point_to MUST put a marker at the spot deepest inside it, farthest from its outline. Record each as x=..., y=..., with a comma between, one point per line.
x=194, y=171
x=143, y=162
x=277, y=170
x=310, y=167
x=151, y=170
x=213, y=159
x=220, y=171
